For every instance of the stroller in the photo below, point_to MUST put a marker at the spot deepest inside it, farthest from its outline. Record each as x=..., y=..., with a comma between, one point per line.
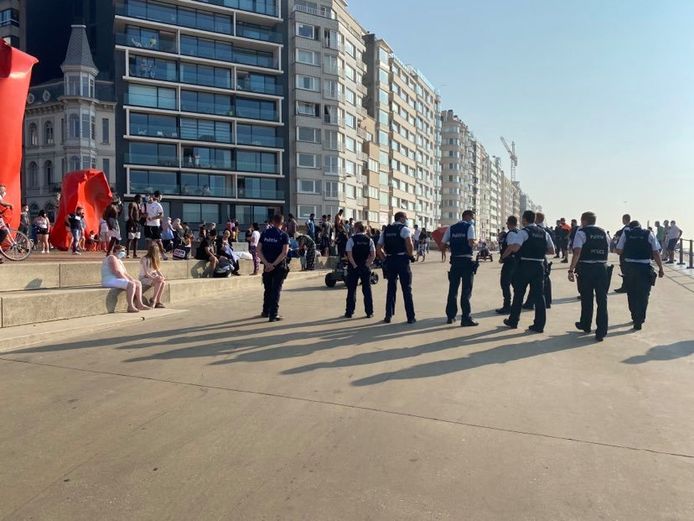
x=340, y=274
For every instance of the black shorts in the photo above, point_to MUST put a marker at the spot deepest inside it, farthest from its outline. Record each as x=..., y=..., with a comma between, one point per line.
x=153, y=233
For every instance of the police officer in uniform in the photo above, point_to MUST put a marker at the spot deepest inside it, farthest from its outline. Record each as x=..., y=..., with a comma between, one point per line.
x=461, y=239
x=531, y=244
x=589, y=261
x=273, y=249
x=396, y=248
x=626, y=219
x=540, y=221
x=509, y=264
x=638, y=246
x=361, y=252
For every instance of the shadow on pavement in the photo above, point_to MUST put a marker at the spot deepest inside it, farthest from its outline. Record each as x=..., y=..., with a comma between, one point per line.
x=663, y=353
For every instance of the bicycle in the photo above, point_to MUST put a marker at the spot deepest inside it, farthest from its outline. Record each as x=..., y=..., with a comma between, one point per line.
x=16, y=246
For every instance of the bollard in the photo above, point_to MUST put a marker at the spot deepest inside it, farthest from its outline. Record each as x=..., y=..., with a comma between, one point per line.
x=681, y=262
x=691, y=255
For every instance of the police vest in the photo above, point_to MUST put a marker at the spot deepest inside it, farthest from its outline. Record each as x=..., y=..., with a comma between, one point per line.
x=636, y=245
x=535, y=247
x=595, y=248
x=460, y=244
x=504, y=242
x=361, y=249
x=392, y=240
x=273, y=240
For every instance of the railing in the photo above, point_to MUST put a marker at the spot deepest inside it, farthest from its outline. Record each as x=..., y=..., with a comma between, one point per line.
x=328, y=13
x=690, y=253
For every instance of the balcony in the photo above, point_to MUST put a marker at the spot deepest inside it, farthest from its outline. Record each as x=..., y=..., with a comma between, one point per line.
x=259, y=88
x=161, y=43
x=258, y=168
x=259, y=193
x=207, y=163
x=260, y=141
x=258, y=32
x=266, y=8
x=323, y=12
x=150, y=160
x=259, y=114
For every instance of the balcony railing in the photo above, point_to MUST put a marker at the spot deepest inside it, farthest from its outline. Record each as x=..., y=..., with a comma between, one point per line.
x=267, y=8
x=250, y=166
x=260, y=141
x=324, y=13
x=256, y=193
x=264, y=88
x=256, y=32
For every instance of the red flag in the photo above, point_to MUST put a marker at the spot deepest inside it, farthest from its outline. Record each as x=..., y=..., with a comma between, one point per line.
x=437, y=235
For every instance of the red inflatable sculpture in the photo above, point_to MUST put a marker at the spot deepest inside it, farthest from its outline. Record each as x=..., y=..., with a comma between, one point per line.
x=88, y=189
x=15, y=75
x=438, y=234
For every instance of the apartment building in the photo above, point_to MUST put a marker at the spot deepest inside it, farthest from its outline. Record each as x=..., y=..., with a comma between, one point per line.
x=326, y=113
x=456, y=155
x=201, y=91
x=508, y=190
x=69, y=125
x=405, y=108
x=13, y=22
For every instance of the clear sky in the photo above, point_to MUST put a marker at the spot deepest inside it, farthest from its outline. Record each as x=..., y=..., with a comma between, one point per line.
x=597, y=94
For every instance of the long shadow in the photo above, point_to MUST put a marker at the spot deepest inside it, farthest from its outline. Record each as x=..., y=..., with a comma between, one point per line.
x=496, y=355
x=663, y=353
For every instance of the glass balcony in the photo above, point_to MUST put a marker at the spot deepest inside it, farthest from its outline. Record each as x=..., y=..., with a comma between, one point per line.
x=259, y=87
x=257, y=32
x=261, y=114
x=266, y=7
x=150, y=159
x=260, y=168
x=151, y=40
x=146, y=187
x=153, y=130
x=260, y=141
x=204, y=159
x=260, y=193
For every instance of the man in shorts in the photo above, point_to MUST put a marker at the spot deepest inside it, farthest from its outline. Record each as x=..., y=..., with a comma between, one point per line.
x=155, y=212
x=673, y=237
x=133, y=225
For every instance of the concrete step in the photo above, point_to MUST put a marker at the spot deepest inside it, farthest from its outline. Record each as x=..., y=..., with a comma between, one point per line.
x=19, y=276
x=18, y=308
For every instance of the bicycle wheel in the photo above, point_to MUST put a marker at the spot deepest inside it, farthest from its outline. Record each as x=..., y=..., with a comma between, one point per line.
x=16, y=247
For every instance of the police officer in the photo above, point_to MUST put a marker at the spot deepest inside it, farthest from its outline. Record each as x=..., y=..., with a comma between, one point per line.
x=638, y=246
x=396, y=248
x=509, y=264
x=540, y=221
x=531, y=244
x=273, y=249
x=361, y=252
x=461, y=239
x=589, y=261
x=626, y=219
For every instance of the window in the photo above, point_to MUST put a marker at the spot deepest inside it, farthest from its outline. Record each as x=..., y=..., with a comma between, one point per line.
x=147, y=96
x=350, y=96
x=350, y=49
x=48, y=133
x=257, y=135
x=332, y=139
x=350, y=120
x=309, y=186
x=204, y=130
x=105, y=131
x=307, y=160
x=350, y=73
x=331, y=189
x=308, y=109
x=373, y=192
x=350, y=144
x=311, y=135
x=74, y=163
x=331, y=89
x=261, y=162
x=200, y=213
x=306, y=31
x=350, y=191
x=331, y=165
x=307, y=57
x=330, y=64
x=33, y=175
x=106, y=166
x=155, y=68
x=33, y=135
x=86, y=126
x=74, y=122
x=350, y=168
x=304, y=211
x=307, y=83
x=48, y=172
x=257, y=109
x=206, y=103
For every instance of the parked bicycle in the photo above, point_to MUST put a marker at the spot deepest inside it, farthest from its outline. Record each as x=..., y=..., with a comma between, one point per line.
x=15, y=245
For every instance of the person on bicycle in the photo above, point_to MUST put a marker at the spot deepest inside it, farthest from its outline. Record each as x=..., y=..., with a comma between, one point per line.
x=4, y=206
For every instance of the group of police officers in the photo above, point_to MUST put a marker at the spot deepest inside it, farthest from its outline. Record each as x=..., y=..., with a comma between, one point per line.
x=524, y=266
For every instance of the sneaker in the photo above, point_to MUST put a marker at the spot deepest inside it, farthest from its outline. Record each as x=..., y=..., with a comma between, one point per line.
x=535, y=329
x=510, y=324
x=276, y=318
x=469, y=323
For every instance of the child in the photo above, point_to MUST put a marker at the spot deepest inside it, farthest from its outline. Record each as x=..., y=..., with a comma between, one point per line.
x=104, y=237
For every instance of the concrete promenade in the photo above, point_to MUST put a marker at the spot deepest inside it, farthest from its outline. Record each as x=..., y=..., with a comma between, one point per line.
x=211, y=414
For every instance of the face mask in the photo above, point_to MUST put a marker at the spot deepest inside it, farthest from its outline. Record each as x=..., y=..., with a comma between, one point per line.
x=121, y=255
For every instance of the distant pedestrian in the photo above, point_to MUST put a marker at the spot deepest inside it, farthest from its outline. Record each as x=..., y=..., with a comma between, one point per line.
x=509, y=264
x=626, y=219
x=673, y=237
x=253, y=241
x=133, y=226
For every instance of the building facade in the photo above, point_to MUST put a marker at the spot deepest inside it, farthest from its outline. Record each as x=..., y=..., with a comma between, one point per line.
x=69, y=125
x=456, y=154
x=13, y=22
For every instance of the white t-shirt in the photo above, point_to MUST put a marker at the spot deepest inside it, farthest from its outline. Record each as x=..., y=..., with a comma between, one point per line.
x=154, y=209
x=674, y=232
x=417, y=233
x=255, y=238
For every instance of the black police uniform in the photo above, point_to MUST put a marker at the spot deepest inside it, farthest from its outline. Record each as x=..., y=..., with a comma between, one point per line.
x=547, y=285
x=462, y=270
x=638, y=276
x=508, y=268
x=617, y=236
x=593, y=279
x=273, y=241
x=531, y=272
x=361, y=251
x=397, y=266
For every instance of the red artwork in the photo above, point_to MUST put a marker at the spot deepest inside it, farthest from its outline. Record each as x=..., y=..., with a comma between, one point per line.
x=88, y=189
x=15, y=75
x=437, y=235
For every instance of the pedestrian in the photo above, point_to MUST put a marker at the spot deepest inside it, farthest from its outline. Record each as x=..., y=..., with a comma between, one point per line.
x=572, y=236
x=154, y=214
x=253, y=241
x=75, y=223
x=638, y=247
x=531, y=244
x=396, y=248
x=361, y=253
x=307, y=247
x=461, y=237
x=673, y=237
x=508, y=264
x=43, y=229
x=25, y=220
x=311, y=227
x=133, y=226
x=291, y=226
x=273, y=250
x=660, y=232
x=626, y=219
x=423, y=245
x=151, y=275
x=589, y=263
x=111, y=217
x=540, y=221
x=416, y=234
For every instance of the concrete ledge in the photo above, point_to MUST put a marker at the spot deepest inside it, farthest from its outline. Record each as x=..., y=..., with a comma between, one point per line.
x=32, y=307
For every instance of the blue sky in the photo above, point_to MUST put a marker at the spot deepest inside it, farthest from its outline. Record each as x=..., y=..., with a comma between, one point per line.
x=598, y=95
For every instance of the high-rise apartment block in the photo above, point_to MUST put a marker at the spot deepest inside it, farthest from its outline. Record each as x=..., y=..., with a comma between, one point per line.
x=13, y=22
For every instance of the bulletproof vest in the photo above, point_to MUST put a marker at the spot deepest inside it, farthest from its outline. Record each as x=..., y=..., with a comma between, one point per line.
x=595, y=248
x=535, y=247
x=636, y=246
x=393, y=242
x=504, y=242
x=460, y=245
x=272, y=242
x=361, y=249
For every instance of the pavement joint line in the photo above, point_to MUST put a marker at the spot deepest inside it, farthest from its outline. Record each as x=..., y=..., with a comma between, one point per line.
x=360, y=408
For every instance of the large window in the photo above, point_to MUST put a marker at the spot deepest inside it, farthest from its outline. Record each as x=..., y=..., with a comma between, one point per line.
x=48, y=133
x=204, y=48
x=307, y=83
x=148, y=96
x=306, y=31
x=261, y=162
x=203, y=157
x=48, y=172
x=256, y=109
x=308, y=160
x=307, y=57
x=205, y=130
x=206, y=103
x=9, y=17
x=309, y=134
x=204, y=185
x=261, y=83
x=144, y=38
x=153, y=68
x=33, y=135
x=147, y=182
x=304, y=108
x=259, y=188
x=257, y=135
x=309, y=186
x=152, y=154
x=200, y=213
x=153, y=125
x=205, y=75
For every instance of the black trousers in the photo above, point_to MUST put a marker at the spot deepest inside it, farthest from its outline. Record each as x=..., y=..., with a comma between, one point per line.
x=593, y=281
x=354, y=276
x=506, y=278
x=637, y=278
x=272, y=283
x=398, y=267
x=547, y=289
x=529, y=273
x=462, y=271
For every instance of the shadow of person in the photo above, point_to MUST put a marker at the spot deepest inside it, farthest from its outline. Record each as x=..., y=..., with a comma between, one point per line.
x=663, y=353
x=497, y=355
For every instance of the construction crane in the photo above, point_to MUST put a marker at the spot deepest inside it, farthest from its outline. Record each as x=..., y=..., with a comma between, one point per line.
x=512, y=154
